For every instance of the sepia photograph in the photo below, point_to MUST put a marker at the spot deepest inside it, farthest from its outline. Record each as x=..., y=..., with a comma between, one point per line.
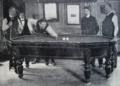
x=59, y=42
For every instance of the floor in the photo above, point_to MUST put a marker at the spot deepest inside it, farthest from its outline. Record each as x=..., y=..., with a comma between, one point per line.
x=66, y=73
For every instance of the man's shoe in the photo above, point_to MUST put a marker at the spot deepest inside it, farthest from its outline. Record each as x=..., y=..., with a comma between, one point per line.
x=27, y=66
x=47, y=63
x=12, y=69
x=53, y=63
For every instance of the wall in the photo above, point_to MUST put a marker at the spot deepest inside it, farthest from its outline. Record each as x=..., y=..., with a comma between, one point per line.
x=61, y=26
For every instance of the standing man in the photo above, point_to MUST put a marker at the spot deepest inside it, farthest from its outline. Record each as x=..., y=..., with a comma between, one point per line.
x=12, y=26
x=110, y=27
x=25, y=31
x=24, y=23
x=89, y=26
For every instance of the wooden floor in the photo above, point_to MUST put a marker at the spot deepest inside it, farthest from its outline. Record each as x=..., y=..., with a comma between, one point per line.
x=66, y=73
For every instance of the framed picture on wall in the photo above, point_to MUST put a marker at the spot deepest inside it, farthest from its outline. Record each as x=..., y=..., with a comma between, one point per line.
x=50, y=11
x=73, y=14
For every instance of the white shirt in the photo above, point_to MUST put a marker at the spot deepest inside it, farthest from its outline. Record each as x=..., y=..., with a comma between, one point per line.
x=88, y=16
x=23, y=22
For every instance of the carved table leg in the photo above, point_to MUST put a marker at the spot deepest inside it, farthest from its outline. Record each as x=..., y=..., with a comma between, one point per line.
x=18, y=63
x=108, y=62
x=112, y=61
x=87, y=70
x=14, y=57
x=14, y=64
x=19, y=68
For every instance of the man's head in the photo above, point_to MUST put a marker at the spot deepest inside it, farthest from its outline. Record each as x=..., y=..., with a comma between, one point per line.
x=87, y=10
x=42, y=23
x=22, y=16
x=108, y=8
x=12, y=11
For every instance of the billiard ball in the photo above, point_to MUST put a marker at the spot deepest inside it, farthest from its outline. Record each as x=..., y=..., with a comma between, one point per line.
x=63, y=38
x=67, y=38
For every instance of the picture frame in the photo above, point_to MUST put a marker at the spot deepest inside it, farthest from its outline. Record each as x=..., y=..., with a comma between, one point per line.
x=73, y=14
x=50, y=11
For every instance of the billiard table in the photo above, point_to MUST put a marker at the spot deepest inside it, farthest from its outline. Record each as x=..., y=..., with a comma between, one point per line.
x=48, y=46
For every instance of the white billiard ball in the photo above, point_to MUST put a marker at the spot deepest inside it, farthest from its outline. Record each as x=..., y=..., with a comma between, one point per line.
x=67, y=38
x=63, y=38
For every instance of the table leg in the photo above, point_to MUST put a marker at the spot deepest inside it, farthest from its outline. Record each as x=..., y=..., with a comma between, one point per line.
x=87, y=70
x=14, y=64
x=18, y=63
x=112, y=61
x=19, y=68
x=14, y=59
x=108, y=62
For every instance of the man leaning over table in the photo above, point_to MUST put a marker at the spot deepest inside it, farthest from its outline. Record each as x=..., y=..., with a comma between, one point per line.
x=44, y=28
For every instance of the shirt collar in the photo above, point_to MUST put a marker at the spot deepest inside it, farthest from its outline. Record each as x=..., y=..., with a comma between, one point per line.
x=88, y=16
x=109, y=13
x=11, y=17
x=22, y=19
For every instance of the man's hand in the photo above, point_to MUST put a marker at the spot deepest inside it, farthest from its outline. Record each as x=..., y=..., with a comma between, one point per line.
x=10, y=24
x=32, y=31
x=56, y=37
x=19, y=30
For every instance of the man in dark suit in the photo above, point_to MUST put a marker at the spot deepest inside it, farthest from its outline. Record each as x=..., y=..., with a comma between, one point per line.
x=89, y=26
